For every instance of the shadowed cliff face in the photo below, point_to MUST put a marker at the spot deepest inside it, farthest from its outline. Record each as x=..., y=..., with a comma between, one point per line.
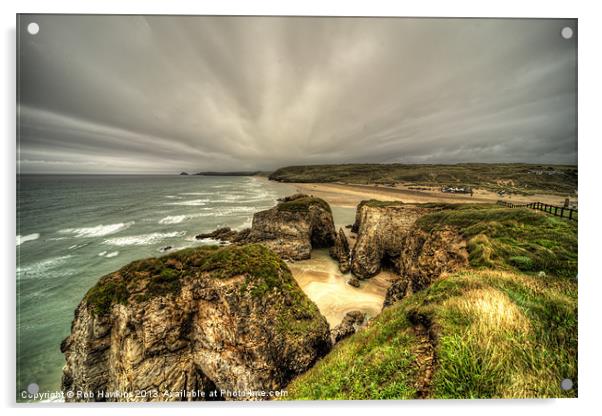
x=230, y=318
x=424, y=257
x=381, y=229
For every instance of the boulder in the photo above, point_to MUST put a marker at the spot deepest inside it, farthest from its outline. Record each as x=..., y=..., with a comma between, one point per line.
x=354, y=282
x=351, y=323
x=221, y=234
x=179, y=327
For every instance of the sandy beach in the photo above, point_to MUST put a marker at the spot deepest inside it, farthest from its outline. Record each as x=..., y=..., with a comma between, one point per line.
x=321, y=280
x=349, y=195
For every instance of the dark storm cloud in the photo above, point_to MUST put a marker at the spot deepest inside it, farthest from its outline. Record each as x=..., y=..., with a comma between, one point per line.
x=161, y=94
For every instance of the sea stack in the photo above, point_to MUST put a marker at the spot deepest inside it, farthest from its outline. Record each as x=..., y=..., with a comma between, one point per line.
x=298, y=224
x=230, y=319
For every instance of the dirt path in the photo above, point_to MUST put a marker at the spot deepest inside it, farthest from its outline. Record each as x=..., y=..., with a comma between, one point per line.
x=425, y=360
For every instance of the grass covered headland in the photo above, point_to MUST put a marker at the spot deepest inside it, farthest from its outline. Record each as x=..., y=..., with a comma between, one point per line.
x=505, y=327
x=511, y=177
x=143, y=280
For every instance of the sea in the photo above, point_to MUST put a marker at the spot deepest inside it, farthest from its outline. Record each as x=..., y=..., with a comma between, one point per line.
x=73, y=229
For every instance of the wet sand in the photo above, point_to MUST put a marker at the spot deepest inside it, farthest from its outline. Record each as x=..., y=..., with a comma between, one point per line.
x=324, y=284
x=347, y=195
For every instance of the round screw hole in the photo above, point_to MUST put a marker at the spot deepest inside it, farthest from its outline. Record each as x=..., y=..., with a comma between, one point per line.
x=33, y=388
x=33, y=28
x=566, y=384
x=566, y=32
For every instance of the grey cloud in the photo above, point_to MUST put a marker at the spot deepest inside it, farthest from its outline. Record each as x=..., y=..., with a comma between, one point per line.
x=132, y=94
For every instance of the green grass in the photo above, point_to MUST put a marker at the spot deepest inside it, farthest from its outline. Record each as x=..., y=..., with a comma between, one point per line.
x=503, y=334
x=264, y=273
x=375, y=363
x=501, y=329
x=511, y=238
x=499, y=334
x=514, y=177
x=303, y=204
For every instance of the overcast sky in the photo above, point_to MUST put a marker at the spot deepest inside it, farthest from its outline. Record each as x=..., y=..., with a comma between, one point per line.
x=124, y=94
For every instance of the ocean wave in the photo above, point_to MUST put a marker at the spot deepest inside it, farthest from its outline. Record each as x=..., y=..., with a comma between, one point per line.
x=173, y=219
x=29, y=237
x=173, y=197
x=45, y=268
x=142, y=240
x=192, y=202
x=107, y=254
x=176, y=219
x=98, y=230
x=196, y=193
x=211, y=242
x=77, y=246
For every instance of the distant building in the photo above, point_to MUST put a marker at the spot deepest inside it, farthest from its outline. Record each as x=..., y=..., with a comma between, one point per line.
x=456, y=189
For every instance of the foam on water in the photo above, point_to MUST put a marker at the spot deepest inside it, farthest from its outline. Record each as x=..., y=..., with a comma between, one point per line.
x=45, y=268
x=172, y=219
x=98, y=230
x=142, y=240
x=191, y=203
x=195, y=193
x=28, y=237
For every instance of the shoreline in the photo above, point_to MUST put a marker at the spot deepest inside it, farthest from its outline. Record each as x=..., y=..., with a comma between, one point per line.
x=350, y=195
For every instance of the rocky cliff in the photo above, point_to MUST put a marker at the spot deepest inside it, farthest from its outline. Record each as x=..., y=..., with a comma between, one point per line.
x=381, y=228
x=179, y=327
x=291, y=229
x=425, y=255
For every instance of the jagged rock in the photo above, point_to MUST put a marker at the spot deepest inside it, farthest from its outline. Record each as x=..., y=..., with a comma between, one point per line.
x=381, y=228
x=398, y=290
x=292, y=228
x=221, y=234
x=230, y=318
x=340, y=251
x=349, y=325
x=424, y=256
x=354, y=281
